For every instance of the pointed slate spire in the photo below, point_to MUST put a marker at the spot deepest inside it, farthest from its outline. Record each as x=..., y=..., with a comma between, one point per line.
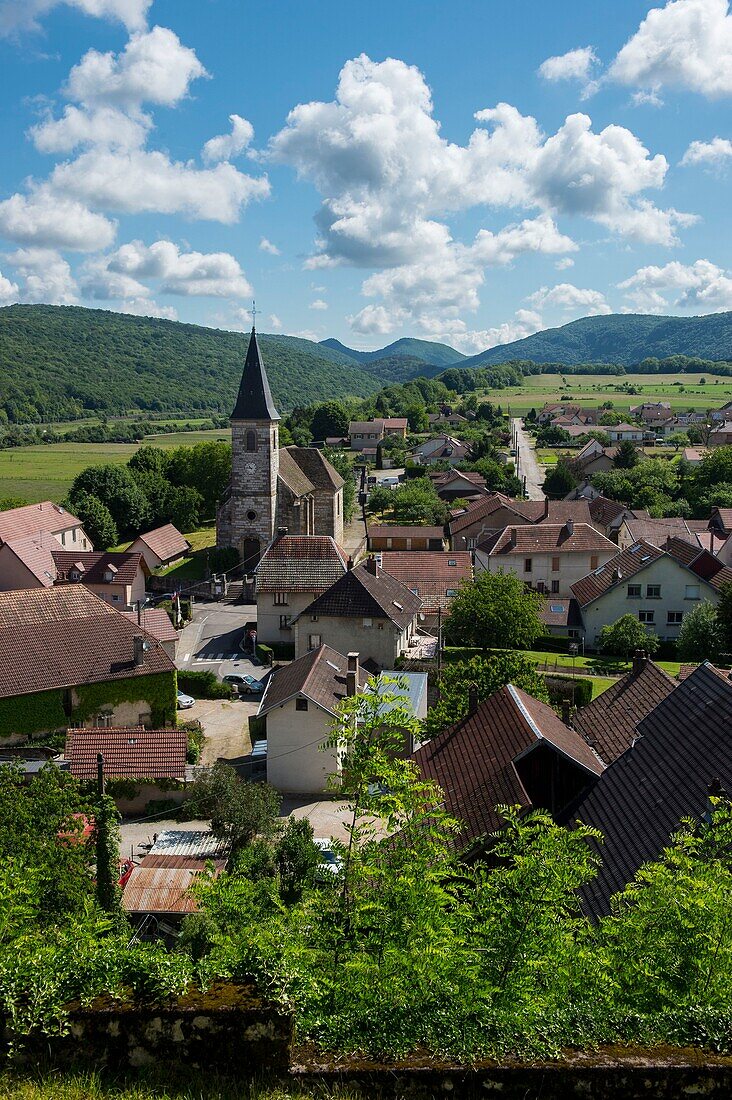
x=254, y=401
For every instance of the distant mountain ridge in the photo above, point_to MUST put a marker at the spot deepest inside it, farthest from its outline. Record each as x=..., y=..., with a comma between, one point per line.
x=622, y=338
x=436, y=355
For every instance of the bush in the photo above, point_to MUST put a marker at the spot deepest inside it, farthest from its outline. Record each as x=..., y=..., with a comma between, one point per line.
x=568, y=687
x=203, y=685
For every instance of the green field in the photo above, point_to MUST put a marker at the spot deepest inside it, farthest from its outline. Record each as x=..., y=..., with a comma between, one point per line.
x=682, y=391
x=184, y=1085
x=46, y=472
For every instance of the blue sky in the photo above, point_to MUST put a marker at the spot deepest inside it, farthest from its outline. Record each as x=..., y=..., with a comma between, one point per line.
x=470, y=172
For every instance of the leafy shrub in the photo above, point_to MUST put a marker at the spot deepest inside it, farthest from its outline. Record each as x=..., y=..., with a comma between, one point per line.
x=203, y=685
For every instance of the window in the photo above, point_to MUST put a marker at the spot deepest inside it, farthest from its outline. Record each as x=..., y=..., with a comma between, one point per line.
x=67, y=702
x=675, y=618
x=368, y=623
x=380, y=626
x=692, y=592
x=593, y=561
x=451, y=591
x=284, y=622
x=314, y=641
x=251, y=515
x=301, y=704
x=527, y=565
x=104, y=720
x=63, y=538
x=555, y=565
x=116, y=598
x=653, y=591
x=313, y=618
x=280, y=599
x=646, y=616
x=251, y=441
x=555, y=587
x=634, y=591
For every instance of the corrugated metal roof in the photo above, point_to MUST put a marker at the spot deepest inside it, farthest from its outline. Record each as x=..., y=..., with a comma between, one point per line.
x=160, y=890
x=192, y=843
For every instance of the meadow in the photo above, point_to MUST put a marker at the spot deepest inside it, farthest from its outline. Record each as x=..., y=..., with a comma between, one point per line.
x=681, y=391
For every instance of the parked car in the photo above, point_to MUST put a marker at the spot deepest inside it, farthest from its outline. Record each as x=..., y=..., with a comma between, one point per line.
x=185, y=701
x=246, y=685
x=330, y=864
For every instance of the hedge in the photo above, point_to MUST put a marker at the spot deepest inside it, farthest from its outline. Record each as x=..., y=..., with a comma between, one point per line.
x=202, y=685
x=568, y=687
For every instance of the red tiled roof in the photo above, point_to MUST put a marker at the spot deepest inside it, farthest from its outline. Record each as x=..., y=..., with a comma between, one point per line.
x=444, y=477
x=609, y=722
x=35, y=519
x=166, y=542
x=130, y=753
x=156, y=622
x=544, y=538
x=616, y=571
x=725, y=517
x=481, y=509
x=604, y=511
x=300, y=563
x=36, y=555
x=125, y=566
x=701, y=562
x=395, y=422
x=386, y=531
x=432, y=576
x=560, y=611
x=319, y=675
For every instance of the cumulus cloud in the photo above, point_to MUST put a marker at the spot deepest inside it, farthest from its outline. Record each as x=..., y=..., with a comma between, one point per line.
x=570, y=299
x=83, y=126
x=275, y=322
x=9, y=292
x=192, y=274
x=24, y=15
x=154, y=67
x=687, y=44
x=319, y=304
x=701, y=287
x=144, y=307
x=712, y=154
x=564, y=263
x=47, y=276
x=576, y=64
x=49, y=221
x=267, y=246
x=226, y=146
x=525, y=322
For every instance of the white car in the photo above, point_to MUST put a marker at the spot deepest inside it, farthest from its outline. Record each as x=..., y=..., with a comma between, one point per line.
x=185, y=701
x=330, y=863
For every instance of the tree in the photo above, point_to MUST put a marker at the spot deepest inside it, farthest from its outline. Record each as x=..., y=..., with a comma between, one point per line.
x=238, y=811
x=296, y=858
x=150, y=459
x=487, y=674
x=627, y=456
x=106, y=837
x=117, y=489
x=494, y=611
x=416, y=502
x=553, y=436
x=96, y=519
x=205, y=467
x=624, y=636
x=330, y=419
x=559, y=481
x=343, y=464
x=700, y=637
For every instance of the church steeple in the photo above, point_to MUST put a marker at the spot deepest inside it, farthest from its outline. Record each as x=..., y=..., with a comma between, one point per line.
x=254, y=401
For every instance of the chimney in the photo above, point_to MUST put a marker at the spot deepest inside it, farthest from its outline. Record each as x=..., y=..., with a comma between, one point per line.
x=349, y=563
x=139, y=650
x=352, y=674
x=513, y=536
x=372, y=566
x=281, y=531
x=472, y=698
x=570, y=527
x=546, y=507
x=639, y=661
x=565, y=711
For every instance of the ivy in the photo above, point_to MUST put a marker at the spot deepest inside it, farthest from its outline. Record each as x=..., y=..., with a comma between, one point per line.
x=159, y=691
x=27, y=714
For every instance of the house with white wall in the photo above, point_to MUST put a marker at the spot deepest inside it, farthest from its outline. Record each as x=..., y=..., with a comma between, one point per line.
x=294, y=571
x=549, y=557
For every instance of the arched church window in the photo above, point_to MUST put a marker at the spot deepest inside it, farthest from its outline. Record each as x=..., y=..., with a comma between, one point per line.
x=251, y=441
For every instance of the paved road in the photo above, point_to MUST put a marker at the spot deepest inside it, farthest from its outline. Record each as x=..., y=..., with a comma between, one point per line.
x=526, y=463
x=211, y=642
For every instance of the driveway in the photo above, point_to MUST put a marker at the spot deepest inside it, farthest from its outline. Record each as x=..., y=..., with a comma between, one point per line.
x=326, y=815
x=526, y=464
x=226, y=726
x=211, y=641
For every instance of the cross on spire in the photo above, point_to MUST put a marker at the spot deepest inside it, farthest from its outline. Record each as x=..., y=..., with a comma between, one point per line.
x=254, y=313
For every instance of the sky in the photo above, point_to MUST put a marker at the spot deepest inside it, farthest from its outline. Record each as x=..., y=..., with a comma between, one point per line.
x=469, y=171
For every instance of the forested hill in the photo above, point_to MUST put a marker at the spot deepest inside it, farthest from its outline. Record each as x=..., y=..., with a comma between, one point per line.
x=63, y=362
x=623, y=338
x=434, y=354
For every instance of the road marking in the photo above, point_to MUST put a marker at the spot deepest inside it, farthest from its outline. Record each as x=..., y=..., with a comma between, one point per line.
x=187, y=657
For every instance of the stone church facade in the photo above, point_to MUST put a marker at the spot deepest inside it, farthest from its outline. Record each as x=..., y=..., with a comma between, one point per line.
x=272, y=487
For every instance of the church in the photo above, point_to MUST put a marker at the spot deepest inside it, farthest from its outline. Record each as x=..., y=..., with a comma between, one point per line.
x=270, y=488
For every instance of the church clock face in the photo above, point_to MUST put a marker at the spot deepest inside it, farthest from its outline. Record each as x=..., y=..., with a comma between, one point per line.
x=250, y=467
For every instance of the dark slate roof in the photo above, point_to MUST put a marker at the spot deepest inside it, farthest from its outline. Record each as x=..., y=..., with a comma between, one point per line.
x=683, y=745
x=609, y=722
x=319, y=675
x=316, y=467
x=359, y=594
x=473, y=761
x=254, y=400
x=300, y=563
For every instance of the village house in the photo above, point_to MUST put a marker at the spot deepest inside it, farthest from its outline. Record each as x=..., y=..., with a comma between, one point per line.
x=458, y=484
x=300, y=705
x=549, y=557
x=638, y=524
x=443, y=448
x=147, y=756
x=119, y=578
x=724, y=412
x=510, y=749
x=491, y=514
x=554, y=409
x=593, y=459
x=294, y=571
x=652, y=414
x=162, y=547
x=434, y=577
x=365, y=433
x=575, y=417
x=42, y=522
x=157, y=894
x=692, y=455
x=447, y=420
x=619, y=433
x=156, y=622
x=69, y=658
x=681, y=755
x=561, y=617
x=366, y=609
x=721, y=436
x=382, y=536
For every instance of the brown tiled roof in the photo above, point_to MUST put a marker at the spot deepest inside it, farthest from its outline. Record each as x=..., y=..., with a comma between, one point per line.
x=160, y=890
x=724, y=515
x=387, y=531
x=682, y=745
x=130, y=753
x=609, y=722
x=481, y=509
x=444, y=477
x=293, y=475
x=319, y=675
x=65, y=636
x=701, y=562
x=316, y=467
x=543, y=538
x=361, y=427
x=156, y=622
x=166, y=542
x=431, y=577
x=560, y=611
x=300, y=563
x=642, y=526
x=604, y=511
x=474, y=760
x=35, y=519
x=361, y=594
x=36, y=555
x=395, y=421
x=125, y=566
x=616, y=571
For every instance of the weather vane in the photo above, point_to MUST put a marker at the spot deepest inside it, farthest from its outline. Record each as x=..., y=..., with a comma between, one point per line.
x=254, y=312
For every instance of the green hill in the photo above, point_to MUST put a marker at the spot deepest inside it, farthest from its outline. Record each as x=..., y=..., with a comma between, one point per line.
x=435, y=355
x=65, y=362
x=623, y=338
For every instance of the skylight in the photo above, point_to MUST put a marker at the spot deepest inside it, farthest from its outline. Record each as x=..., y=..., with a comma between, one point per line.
x=557, y=608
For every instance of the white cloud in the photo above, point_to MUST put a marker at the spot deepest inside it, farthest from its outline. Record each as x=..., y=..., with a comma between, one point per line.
x=686, y=44
x=136, y=181
x=274, y=322
x=646, y=99
x=701, y=287
x=154, y=67
x=47, y=276
x=570, y=299
x=226, y=146
x=564, y=263
x=574, y=65
x=144, y=307
x=267, y=246
x=9, y=292
x=106, y=126
x=24, y=15
x=714, y=153
x=318, y=304
x=50, y=221
x=192, y=274
x=525, y=322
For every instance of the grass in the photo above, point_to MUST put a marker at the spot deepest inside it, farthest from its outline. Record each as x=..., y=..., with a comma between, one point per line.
x=188, y=1085
x=193, y=567
x=682, y=391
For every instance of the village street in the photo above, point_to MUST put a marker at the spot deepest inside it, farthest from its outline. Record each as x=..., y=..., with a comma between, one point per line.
x=527, y=465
